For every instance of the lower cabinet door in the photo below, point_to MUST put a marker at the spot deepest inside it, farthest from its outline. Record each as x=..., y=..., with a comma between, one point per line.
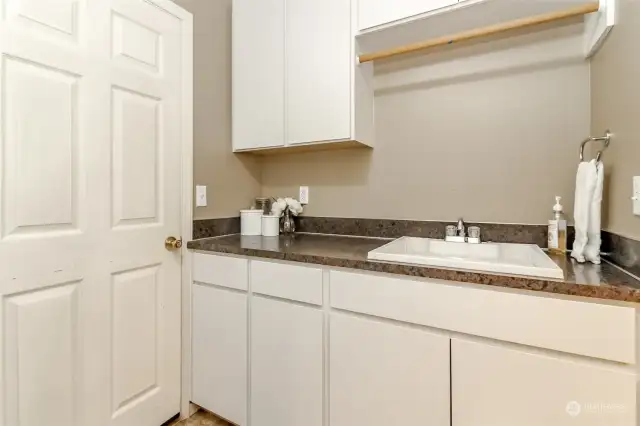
x=386, y=374
x=494, y=385
x=286, y=364
x=219, y=354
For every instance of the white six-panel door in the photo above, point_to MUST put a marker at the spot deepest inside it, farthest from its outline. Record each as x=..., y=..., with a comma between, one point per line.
x=90, y=187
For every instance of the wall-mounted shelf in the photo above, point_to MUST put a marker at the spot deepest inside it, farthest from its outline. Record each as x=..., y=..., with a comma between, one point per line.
x=471, y=19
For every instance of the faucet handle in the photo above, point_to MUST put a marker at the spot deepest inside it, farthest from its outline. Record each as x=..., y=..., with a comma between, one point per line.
x=474, y=231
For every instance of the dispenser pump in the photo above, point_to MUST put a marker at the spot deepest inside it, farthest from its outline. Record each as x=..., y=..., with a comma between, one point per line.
x=558, y=229
x=557, y=208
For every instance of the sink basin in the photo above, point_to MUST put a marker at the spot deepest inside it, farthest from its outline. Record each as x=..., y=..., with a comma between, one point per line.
x=515, y=259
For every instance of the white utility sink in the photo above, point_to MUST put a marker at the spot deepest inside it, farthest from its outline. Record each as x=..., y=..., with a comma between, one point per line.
x=515, y=259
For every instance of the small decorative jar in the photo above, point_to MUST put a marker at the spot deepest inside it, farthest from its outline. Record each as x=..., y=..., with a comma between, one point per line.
x=270, y=226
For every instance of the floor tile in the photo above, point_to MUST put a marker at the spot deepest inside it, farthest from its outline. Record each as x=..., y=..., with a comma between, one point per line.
x=202, y=418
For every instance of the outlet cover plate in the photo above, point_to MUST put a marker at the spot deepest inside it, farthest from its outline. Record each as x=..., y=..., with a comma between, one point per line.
x=201, y=196
x=304, y=195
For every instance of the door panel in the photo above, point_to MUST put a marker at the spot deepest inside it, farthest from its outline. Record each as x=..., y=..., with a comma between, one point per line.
x=58, y=18
x=90, y=186
x=41, y=344
x=40, y=107
x=136, y=168
x=135, y=296
x=135, y=43
x=144, y=75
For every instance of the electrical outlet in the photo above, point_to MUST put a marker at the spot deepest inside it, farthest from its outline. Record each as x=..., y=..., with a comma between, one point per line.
x=201, y=196
x=636, y=195
x=304, y=195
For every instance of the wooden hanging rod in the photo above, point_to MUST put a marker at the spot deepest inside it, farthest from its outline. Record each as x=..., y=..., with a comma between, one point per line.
x=483, y=32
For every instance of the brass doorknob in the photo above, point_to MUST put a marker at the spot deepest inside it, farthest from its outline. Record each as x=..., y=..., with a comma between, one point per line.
x=172, y=243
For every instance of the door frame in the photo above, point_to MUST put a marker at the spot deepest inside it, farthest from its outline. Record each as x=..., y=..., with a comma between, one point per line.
x=186, y=211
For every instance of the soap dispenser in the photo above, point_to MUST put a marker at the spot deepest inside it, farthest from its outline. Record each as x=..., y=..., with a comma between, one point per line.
x=558, y=229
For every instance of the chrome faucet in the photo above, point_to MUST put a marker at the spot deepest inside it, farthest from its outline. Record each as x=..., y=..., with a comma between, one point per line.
x=460, y=228
x=458, y=233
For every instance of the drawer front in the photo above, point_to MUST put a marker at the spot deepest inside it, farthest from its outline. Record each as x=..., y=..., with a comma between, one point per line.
x=223, y=271
x=299, y=283
x=598, y=330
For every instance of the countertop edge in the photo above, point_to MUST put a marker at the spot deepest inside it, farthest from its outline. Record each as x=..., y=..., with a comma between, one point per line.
x=605, y=292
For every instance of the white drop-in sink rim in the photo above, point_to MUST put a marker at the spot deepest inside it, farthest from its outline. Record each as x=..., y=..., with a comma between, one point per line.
x=502, y=258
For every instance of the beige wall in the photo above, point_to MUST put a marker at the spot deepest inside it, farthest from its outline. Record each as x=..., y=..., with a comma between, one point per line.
x=489, y=132
x=615, y=91
x=232, y=181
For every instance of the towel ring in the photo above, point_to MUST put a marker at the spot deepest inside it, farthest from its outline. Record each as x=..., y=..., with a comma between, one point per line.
x=606, y=139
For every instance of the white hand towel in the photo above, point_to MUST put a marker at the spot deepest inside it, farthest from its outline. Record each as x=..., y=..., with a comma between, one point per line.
x=594, y=240
x=585, y=186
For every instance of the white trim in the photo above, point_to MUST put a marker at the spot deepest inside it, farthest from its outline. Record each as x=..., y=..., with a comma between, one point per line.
x=187, y=208
x=186, y=214
x=172, y=8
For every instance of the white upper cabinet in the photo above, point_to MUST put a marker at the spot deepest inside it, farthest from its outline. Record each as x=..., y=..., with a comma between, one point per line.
x=258, y=74
x=372, y=13
x=295, y=75
x=318, y=70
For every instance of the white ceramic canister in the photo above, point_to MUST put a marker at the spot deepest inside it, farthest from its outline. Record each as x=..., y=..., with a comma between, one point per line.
x=270, y=226
x=251, y=222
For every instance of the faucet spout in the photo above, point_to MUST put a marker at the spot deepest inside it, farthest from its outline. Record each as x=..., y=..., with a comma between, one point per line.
x=461, y=228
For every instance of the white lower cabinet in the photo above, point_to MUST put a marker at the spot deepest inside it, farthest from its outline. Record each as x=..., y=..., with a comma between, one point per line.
x=386, y=374
x=286, y=364
x=219, y=358
x=493, y=385
x=260, y=351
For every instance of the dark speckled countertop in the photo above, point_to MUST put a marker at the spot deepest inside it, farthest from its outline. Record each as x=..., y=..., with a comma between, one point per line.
x=603, y=281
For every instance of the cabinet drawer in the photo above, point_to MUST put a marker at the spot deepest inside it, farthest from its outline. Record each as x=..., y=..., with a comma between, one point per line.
x=583, y=327
x=223, y=271
x=299, y=283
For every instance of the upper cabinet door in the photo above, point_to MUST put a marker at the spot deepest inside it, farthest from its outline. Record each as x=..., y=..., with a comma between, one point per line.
x=319, y=70
x=372, y=13
x=258, y=74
